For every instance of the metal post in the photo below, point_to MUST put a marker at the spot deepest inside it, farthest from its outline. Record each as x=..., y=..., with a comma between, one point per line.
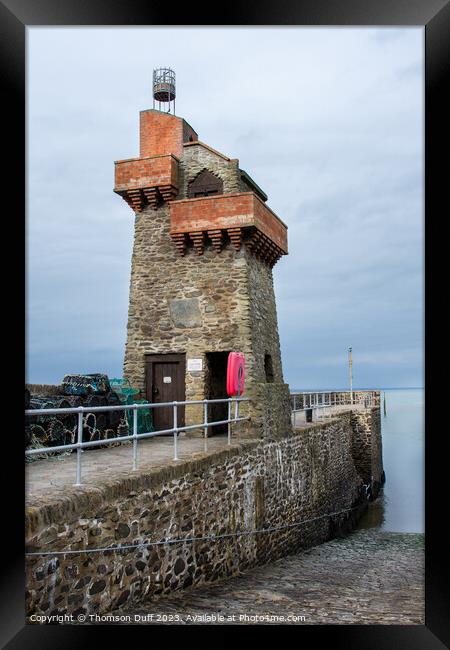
x=134, y=439
x=295, y=403
x=175, y=432
x=79, y=441
x=236, y=406
x=350, y=373
x=205, y=428
x=229, y=421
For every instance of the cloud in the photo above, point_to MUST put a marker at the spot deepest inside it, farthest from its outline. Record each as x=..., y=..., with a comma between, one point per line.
x=327, y=121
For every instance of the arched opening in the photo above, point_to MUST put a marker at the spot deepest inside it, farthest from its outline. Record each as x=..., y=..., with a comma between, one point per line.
x=205, y=184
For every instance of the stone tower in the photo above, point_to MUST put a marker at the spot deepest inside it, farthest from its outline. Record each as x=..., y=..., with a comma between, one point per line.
x=201, y=279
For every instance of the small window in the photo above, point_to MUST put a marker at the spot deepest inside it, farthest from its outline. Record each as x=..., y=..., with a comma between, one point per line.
x=268, y=368
x=205, y=193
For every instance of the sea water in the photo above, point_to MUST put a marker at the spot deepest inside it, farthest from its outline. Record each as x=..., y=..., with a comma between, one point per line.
x=400, y=506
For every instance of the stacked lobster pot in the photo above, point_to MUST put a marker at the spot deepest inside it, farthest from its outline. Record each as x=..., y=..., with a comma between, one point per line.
x=75, y=390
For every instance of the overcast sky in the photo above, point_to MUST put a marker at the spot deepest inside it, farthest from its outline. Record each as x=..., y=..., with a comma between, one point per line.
x=327, y=121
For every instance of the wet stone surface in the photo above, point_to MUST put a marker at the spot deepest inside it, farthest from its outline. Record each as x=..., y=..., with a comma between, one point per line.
x=369, y=577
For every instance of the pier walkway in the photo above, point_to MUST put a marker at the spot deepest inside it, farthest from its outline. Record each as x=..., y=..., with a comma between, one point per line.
x=58, y=472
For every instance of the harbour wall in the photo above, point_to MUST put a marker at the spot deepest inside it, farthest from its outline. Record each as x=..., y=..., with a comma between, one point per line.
x=250, y=486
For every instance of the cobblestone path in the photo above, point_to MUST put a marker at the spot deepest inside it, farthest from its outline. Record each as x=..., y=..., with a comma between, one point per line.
x=369, y=577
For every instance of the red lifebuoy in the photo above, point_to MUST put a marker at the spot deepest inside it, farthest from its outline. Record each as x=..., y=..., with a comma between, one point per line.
x=235, y=374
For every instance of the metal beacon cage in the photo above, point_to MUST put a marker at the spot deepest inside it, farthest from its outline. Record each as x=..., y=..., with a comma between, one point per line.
x=164, y=88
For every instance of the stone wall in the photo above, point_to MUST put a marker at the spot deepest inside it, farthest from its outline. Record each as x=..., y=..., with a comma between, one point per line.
x=196, y=158
x=367, y=447
x=252, y=485
x=44, y=389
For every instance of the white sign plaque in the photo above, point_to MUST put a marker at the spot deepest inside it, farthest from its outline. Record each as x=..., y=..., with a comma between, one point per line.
x=167, y=380
x=194, y=365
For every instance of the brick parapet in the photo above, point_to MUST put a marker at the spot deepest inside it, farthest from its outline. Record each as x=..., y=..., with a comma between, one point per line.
x=147, y=181
x=241, y=217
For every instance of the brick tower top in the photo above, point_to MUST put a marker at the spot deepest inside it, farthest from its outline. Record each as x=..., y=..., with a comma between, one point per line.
x=163, y=133
x=211, y=200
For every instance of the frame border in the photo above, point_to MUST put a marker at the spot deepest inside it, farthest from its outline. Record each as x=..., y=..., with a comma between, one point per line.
x=434, y=15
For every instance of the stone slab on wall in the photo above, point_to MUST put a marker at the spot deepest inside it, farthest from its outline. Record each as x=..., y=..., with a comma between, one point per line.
x=44, y=389
x=252, y=485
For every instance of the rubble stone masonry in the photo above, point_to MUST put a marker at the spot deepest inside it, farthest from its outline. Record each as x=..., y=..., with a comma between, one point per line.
x=251, y=485
x=232, y=300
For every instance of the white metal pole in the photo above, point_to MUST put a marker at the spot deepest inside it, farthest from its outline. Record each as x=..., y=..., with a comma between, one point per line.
x=134, y=438
x=79, y=441
x=350, y=373
x=229, y=421
x=175, y=431
x=205, y=428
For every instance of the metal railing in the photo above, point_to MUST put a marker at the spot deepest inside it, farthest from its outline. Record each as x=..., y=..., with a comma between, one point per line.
x=134, y=437
x=323, y=404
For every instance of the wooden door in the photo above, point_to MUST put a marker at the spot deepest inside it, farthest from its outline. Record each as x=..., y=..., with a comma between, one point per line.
x=165, y=382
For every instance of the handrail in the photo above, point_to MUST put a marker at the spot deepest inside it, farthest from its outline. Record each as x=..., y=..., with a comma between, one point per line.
x=175, y=430
x=312, y=401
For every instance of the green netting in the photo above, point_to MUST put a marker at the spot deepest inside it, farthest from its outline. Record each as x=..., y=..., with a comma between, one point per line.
x=124, y=389
x=127, y=395
x=144, y=418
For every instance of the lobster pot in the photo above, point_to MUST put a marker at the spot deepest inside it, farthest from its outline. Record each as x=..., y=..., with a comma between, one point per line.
x=90, y=420
x=69, y=420
x=96, y=383
x=74, y=400
x=114, y=417
x=56, y=433
x=91, y=390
